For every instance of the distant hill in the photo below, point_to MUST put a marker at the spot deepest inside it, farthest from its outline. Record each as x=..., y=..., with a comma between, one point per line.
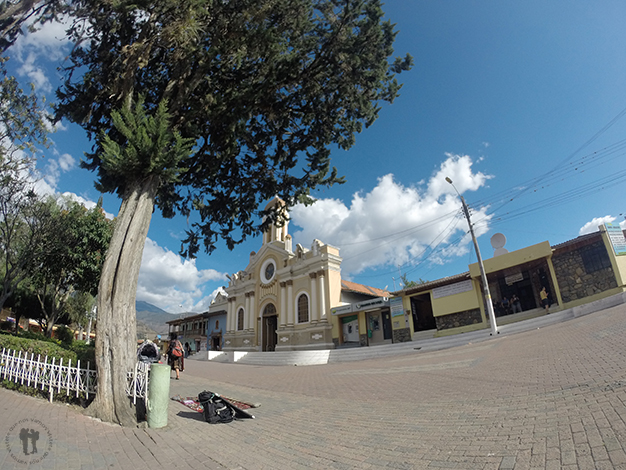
x=151, y=320
x=142, y=306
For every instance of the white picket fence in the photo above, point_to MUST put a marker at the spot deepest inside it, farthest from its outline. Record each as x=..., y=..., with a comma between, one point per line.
x=17, y=367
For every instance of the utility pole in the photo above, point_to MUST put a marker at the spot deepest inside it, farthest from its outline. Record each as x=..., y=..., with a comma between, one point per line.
x=483, y=276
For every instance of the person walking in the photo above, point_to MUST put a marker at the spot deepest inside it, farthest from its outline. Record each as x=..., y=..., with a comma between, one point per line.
x=176, y=356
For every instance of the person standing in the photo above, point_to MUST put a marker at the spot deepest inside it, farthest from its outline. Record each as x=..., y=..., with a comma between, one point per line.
x=544, y=299
x=176, y=356
x=516, y=304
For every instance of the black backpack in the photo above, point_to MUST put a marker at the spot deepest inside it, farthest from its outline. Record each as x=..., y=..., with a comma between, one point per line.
x=215, y=409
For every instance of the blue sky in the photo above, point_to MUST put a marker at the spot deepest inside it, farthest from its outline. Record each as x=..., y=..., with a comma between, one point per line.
x=521, y=104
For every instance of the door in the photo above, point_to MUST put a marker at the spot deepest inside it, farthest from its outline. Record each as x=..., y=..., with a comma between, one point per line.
x=387, y=332
x=350, y=329
x=270, y=337
x=422, y=310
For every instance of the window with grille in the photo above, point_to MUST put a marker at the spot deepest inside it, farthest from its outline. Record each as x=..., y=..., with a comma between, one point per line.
x=303, y=308
x=595, y=258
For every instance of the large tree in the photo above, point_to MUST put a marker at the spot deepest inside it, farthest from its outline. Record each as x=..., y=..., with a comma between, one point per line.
x=262, y=90
x=76, y=242
x=22, y=128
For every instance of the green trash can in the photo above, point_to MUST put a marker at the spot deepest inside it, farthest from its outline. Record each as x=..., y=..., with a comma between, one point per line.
x=158, y=395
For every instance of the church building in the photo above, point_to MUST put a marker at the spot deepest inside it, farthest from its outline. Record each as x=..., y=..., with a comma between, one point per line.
x=285, y=298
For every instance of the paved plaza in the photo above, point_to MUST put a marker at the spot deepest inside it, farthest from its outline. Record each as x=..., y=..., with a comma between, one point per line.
x=551, y=397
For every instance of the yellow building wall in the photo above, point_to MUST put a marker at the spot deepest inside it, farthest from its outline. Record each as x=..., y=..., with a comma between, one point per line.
x=617, y=262
x=455, y=303
x=621, y=270
x=514, y=258
x=333, y=286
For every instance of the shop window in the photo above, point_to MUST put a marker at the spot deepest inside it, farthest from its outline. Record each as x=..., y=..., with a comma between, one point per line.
x=240, y=320
x=595, y=258
x=303, y=308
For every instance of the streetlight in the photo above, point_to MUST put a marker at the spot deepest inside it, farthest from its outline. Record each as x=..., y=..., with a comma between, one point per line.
x=483, y=276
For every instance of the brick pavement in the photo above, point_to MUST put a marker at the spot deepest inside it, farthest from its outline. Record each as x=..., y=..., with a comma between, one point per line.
x=550, y=398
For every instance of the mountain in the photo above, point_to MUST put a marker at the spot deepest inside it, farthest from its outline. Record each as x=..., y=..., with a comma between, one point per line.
x=142, y=306
x=151, y=320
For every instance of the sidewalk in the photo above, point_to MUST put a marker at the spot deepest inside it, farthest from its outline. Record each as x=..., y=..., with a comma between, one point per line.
x=546, y=394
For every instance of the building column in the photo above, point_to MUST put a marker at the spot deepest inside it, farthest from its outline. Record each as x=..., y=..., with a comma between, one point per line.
x=555, y=282
x=290, y=321
x=230, y=315
x=314, y=314
x=322, y=297
x=252, y=315
x=282, y=312
x=246, y=311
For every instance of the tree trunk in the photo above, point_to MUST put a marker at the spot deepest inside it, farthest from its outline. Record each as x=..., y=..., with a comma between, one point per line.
x=116, y=337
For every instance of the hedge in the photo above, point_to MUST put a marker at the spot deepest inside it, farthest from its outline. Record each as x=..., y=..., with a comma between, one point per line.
x=46, y=348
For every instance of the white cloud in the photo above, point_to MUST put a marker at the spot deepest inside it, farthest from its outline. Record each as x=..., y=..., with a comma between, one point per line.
x=52, y=173
x=48, y=41
x=393, y=224
x=592, y=226
x=47, y=44
x=171, y=282
x=86, y=202
x=35, y=74
x=67, y=162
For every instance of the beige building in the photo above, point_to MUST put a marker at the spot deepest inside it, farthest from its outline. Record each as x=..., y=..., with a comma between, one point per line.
x=585, y=269
x=287, y=298
x=282, y=299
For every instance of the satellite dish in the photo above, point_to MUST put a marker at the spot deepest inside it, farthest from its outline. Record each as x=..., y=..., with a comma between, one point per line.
x=498, y=240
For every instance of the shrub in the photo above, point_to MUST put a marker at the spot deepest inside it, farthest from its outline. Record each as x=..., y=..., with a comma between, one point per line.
x=36, y=347
x=85, y=353
x=38, y=335
x=65, y=335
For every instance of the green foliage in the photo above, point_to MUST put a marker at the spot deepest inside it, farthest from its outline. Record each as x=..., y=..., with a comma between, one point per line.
x=76, y=244
x=150, y=148
x=22, y=124
x=78, y=307
x=262, y=89
x=86, y=353
x=408, y=284
x=64, y=335
x=24, y=219
x=6, y=325
x=36, y=343
x=59, y=397
x=37, y=347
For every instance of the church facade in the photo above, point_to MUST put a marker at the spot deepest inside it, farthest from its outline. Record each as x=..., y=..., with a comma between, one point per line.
x=282, y=300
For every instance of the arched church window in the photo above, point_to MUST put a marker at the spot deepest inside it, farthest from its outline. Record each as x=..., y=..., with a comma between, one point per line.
x=303, y=308
x=240, y=319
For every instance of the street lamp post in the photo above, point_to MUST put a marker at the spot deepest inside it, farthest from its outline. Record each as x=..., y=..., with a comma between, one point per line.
x=483, y=276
